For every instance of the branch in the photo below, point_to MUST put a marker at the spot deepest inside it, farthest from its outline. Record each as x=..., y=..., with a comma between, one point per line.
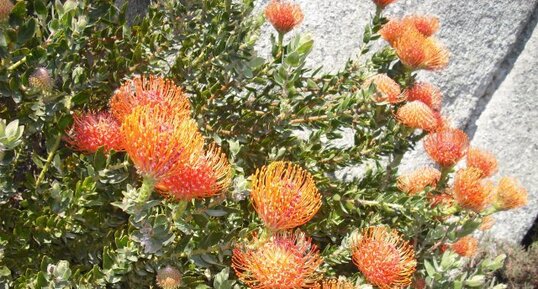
x=52, y=153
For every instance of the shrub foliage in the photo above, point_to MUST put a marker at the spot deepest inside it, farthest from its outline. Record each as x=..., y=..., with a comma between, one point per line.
x=95, y=218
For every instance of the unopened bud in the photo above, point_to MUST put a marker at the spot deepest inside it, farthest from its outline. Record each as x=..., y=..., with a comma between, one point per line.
x=168, y=278
x=41, y=79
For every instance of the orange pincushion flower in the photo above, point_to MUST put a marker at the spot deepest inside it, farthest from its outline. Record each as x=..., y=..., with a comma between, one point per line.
x=510, y=194
x=160, y=142
x=92, y=131
x=447, y=146
x=482, y=160
x=470, y=192
x=283, y=15
x=426, y=25
x=392, y=30
x=384, y=258
x=284, y=195
x=427, y=93
x=387, y=89
x=466, y=246
x=418, y=52
x=286, y=261
x=335, y=284
x=383, y=3
x=487, y=223
x=152, y=90
x=416, y=114
x=205, y=177
x=416, y=181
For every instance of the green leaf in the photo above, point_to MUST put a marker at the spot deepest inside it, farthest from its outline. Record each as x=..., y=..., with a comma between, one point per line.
x=26, y=31
x=429, y=269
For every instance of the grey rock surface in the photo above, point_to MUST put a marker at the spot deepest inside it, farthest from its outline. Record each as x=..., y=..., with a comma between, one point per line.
x=508, y=125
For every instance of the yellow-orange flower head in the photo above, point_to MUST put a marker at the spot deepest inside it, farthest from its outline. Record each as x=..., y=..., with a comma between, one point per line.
x=284, y=195
x=470, y=191
x=416, y=114
x=487, y=223
x=482, y=160
x=286, y=261
x=426, y=25
x=383, y=3
x=510, y=194
x=5, y=9
x=384, y=258
x=427, y=93
x=335, y=284
x=447, y=146
x=168, y=278
x=387, y=89
x=205, y=177
x=466, y=246
x=419, y=52
x=417, y=181
x=283, y=15
x=160, y=142
x=148, y=91
x=92, y=131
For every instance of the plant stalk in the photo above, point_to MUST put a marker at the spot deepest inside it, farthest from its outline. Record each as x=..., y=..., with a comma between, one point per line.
x=52, y=153
x=146, y=189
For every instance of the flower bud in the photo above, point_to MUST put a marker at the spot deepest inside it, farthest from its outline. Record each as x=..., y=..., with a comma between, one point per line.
x=41, y=80
x=383, y=3
x=168, y=278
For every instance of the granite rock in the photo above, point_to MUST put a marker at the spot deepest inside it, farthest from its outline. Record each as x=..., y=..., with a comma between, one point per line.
x=507, y=126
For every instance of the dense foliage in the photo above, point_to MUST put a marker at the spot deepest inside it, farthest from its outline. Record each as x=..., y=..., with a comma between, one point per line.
x=74, y=216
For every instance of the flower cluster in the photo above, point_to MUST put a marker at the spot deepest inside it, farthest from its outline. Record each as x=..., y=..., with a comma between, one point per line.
x=285, y=196
x=412, y=39
x=149, y=118
x=418, y=106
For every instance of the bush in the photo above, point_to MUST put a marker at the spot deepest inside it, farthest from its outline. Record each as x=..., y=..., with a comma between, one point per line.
x=164, y=152
x=519, y=270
